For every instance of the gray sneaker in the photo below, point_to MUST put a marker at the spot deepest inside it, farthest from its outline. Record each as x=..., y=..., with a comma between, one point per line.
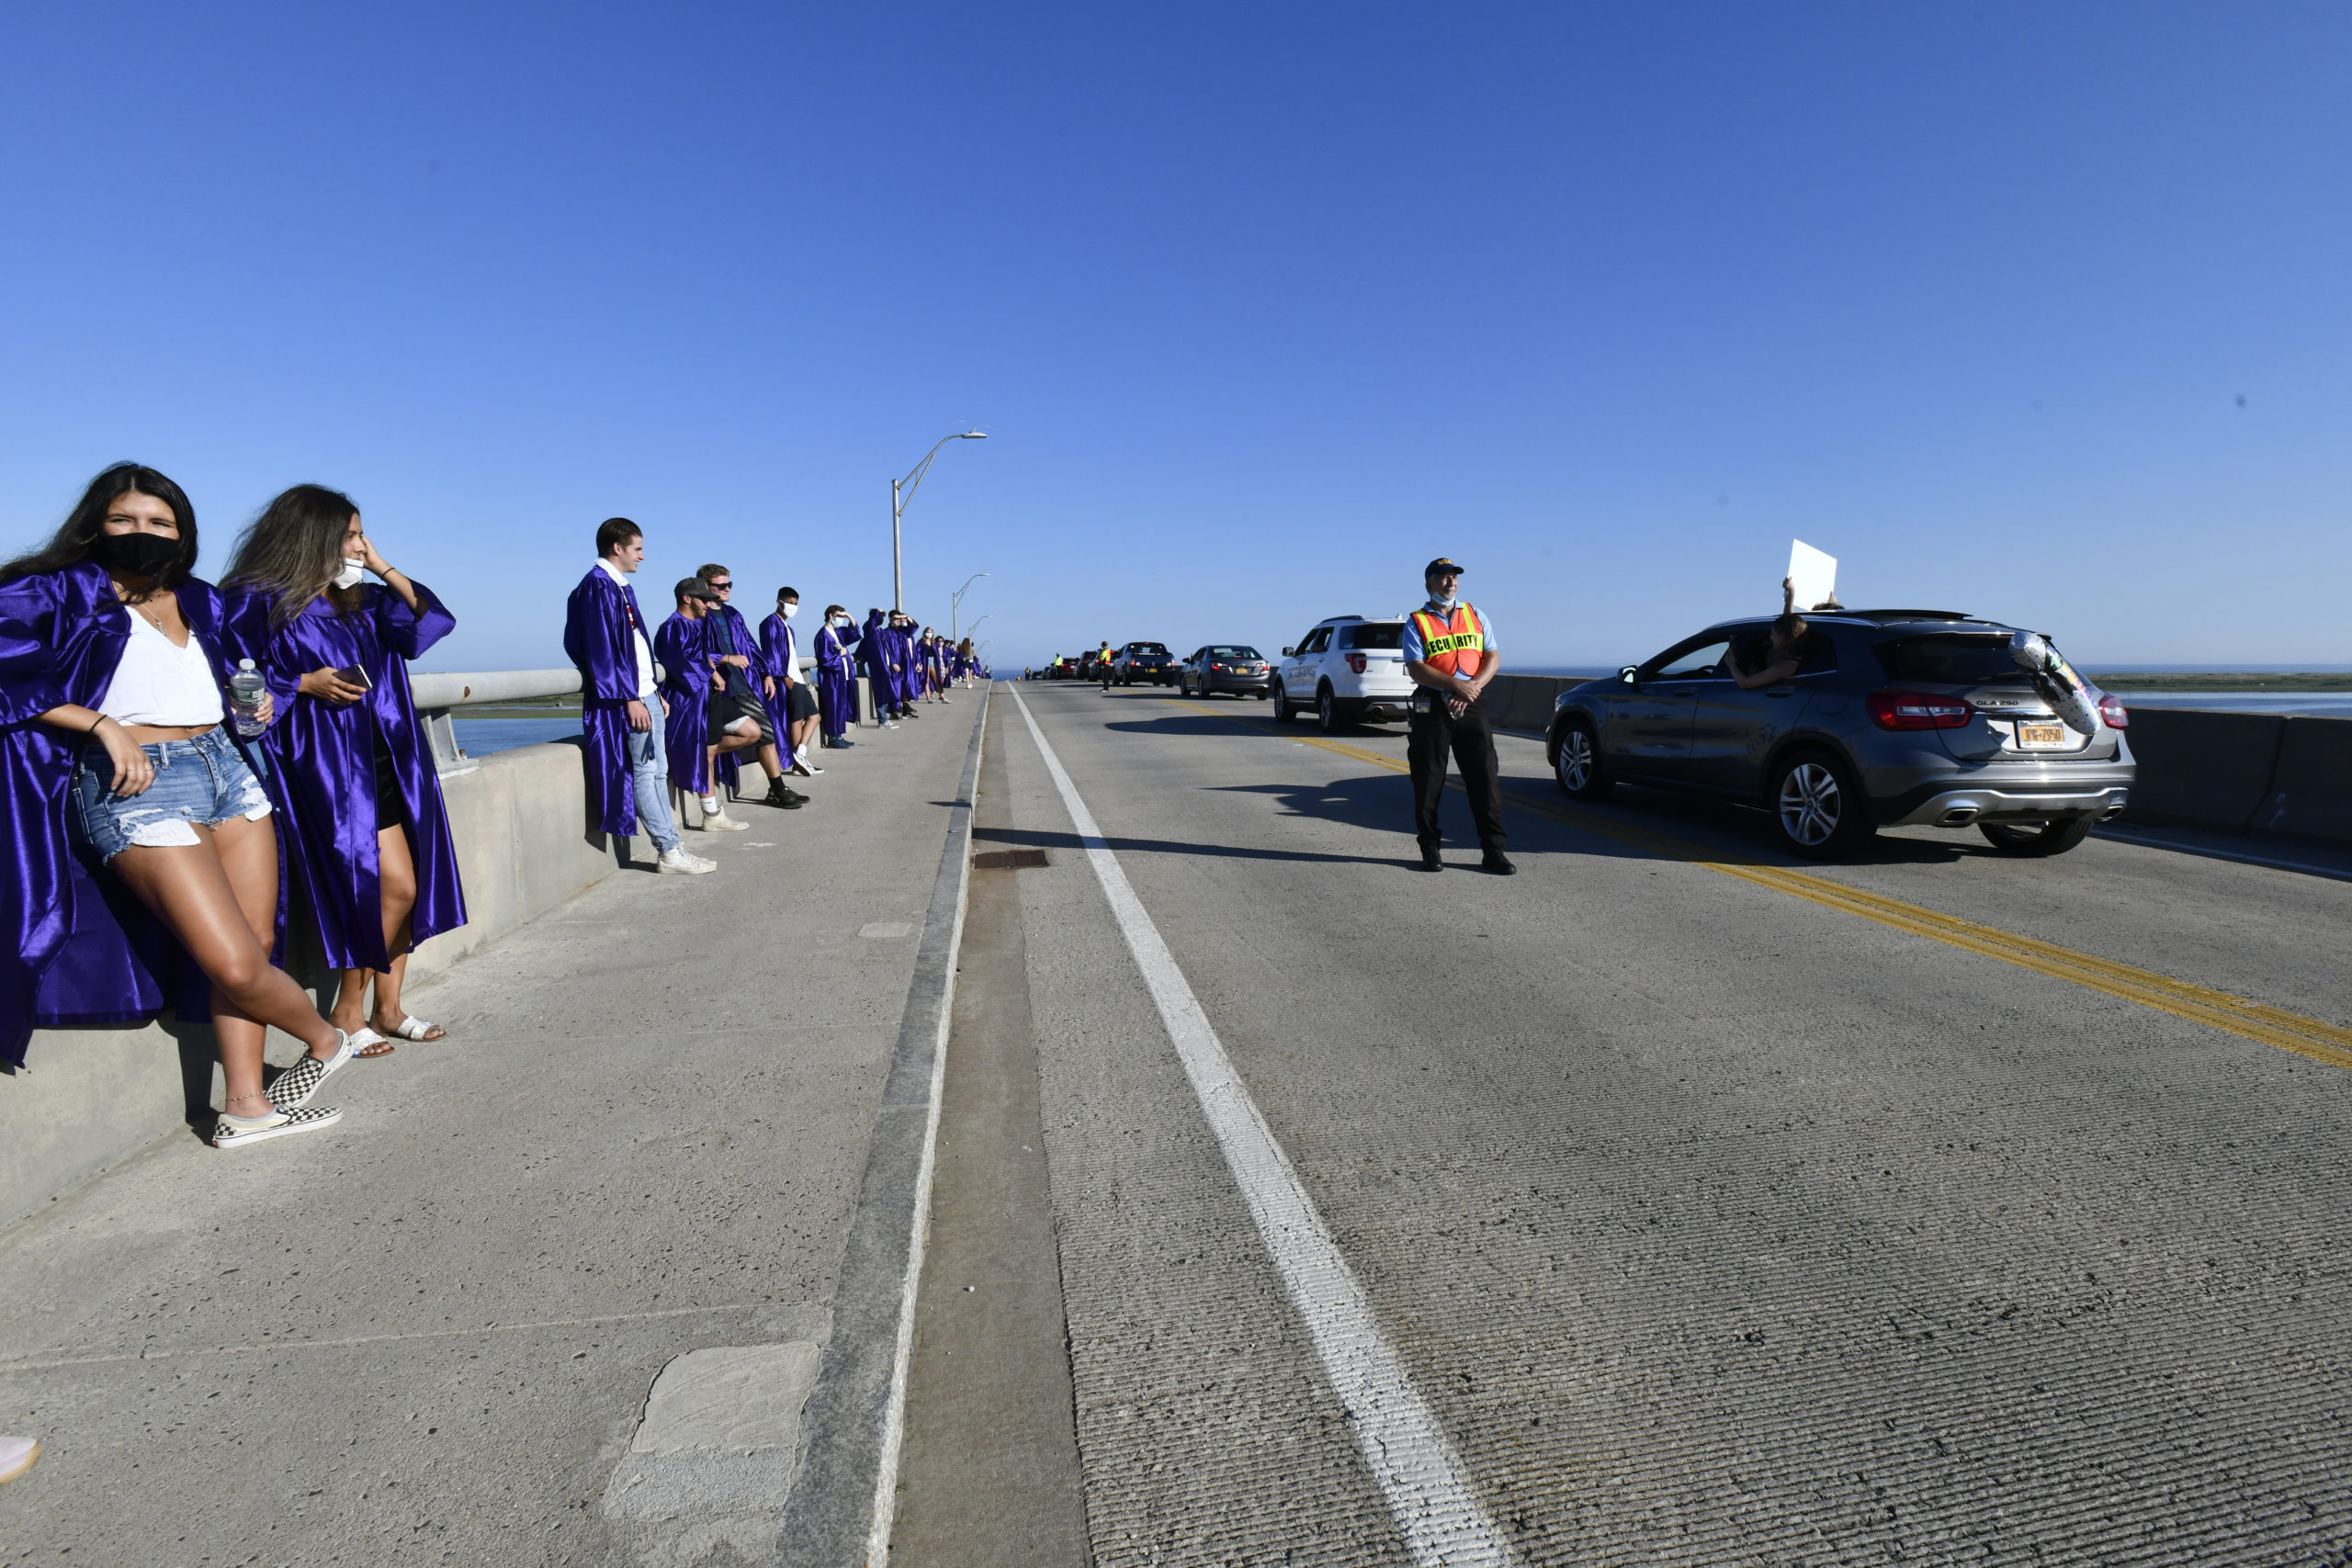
x=678, y=862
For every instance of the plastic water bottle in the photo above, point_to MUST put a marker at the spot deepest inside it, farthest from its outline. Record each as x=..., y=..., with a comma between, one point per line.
x=246, y=693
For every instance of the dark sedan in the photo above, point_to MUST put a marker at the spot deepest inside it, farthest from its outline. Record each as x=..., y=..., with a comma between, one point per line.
x=1892, y=718
x=1234, y=667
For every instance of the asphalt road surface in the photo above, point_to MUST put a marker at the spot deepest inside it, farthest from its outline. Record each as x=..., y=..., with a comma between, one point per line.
x=1667, y=1202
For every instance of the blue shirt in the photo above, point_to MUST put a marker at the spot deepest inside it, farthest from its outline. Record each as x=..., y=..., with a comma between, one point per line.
x=1415, y=652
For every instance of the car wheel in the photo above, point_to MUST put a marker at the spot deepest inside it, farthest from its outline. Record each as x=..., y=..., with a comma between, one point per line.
x=1282, y=705
x=1819, y=808
x=1578, y=767
x=2039, y=839
x=1326, y=712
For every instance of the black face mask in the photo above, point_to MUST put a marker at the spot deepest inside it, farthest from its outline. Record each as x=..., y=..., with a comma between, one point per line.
x=135, y=555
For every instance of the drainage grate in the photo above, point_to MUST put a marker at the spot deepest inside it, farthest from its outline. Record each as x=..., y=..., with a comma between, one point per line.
x=1008, y=860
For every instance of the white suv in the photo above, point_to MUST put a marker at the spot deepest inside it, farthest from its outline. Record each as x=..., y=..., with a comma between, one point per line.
x=1345, y=670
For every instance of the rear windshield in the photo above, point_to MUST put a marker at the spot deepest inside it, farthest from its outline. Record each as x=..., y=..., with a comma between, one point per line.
x=1239, y=651
x=1374, y=634
x=1159, y=648
x=1953, y=659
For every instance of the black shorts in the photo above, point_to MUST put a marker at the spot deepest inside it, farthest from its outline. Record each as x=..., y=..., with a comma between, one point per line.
x=737, y=701
x=800, y=703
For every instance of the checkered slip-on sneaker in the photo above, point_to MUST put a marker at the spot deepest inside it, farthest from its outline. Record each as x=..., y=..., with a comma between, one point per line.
x=236, y=1132
x=293, y=1087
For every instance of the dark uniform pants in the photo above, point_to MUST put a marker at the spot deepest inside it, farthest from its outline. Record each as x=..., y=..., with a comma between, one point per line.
x=1430, y=736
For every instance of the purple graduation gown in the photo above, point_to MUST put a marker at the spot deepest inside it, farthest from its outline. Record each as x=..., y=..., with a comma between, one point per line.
x=836, y=679
x=322, y=774
x=85, y=951
x=684, y=649
x=601, y=622
x=779, y=651
x=728, y=633
x=874, y=652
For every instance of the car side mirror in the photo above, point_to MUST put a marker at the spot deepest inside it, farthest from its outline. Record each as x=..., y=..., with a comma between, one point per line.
x=1627, y=673
x=1287, y=653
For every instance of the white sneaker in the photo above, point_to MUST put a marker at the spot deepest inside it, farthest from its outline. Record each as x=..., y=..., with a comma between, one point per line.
x=719, y=822
x=889, y=723
x=678, y=862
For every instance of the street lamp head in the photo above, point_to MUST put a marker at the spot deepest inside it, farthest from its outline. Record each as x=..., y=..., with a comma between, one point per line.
x=973, y=436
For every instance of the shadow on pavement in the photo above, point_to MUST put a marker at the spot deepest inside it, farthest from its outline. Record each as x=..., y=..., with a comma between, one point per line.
x=1026, y=838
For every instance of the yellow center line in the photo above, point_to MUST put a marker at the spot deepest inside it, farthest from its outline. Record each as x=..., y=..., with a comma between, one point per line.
x=2258, y=1021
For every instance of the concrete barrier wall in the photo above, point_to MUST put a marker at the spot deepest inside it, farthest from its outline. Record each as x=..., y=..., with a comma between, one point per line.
x=2311, y=791
x=91, y=1098
x=2200, y=769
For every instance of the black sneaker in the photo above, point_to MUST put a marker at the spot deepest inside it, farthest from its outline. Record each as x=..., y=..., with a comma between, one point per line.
x=1498, y=862
x=1432, y=860
x=783, y=795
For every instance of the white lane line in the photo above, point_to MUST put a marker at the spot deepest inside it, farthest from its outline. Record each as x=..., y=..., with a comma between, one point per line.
x=1436, y=1510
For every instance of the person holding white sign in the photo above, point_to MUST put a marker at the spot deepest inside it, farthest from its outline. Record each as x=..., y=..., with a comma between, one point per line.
x=1752, y=662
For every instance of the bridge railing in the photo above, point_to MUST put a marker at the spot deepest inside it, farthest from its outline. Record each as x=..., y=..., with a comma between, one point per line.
x=438, y=697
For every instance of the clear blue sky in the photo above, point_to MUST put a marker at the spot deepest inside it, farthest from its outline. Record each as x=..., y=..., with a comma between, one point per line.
x=2035, y=311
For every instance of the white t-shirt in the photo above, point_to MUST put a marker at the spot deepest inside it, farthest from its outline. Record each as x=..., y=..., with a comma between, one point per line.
x=160, y=682
x=646, y=684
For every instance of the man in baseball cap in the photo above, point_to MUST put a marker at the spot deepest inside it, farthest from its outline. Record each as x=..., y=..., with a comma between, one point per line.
x=1449, y=653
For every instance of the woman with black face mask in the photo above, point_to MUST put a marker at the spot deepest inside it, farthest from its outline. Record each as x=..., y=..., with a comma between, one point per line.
x=118, y=776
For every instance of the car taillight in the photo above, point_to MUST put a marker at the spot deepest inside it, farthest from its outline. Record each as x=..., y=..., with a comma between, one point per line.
x=1917, y=710
x=1356, y=662
x=2112, y=709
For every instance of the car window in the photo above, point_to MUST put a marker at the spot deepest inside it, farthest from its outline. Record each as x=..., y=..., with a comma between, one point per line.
x=1374, y=634
x=1691, y=662
x=1316, y=641
x=1233, y=650
x=1146, y=647
x=1820, y=654
x=1949, y=659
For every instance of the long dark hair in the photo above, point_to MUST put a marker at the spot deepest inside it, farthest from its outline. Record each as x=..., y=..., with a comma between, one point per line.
x=294, y=549
x=75, y=542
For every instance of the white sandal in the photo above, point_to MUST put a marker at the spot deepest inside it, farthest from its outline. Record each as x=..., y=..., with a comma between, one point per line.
x=414, y=1028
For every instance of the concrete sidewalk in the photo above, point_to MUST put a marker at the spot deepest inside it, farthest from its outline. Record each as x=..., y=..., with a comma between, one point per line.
x=427, y=1335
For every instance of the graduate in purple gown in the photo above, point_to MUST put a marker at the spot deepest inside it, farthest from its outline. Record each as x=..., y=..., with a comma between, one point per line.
x=126, y=797
x=360, y=810
x=836, y=676
x=874, y=654
x=739, y=669
x=683, y=646
x=792, y=706
x=603, y=629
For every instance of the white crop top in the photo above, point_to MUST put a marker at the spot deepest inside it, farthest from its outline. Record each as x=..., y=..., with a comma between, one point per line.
x=160, y=682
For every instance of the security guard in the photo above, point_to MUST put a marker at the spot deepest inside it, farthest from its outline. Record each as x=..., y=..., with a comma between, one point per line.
x=1449, y=653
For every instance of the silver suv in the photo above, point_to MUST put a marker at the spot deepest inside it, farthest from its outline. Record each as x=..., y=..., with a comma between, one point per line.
x=1893, y=718
x=1344, y=671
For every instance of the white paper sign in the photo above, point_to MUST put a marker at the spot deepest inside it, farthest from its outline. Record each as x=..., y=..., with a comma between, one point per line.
x=1815, y=575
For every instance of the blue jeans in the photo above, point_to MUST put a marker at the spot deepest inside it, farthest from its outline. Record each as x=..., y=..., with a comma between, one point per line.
x=648, y=771
x=203, y=781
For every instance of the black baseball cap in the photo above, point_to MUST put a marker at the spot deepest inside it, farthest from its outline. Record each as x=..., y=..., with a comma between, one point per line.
x=696, y=588
x=1443, y=564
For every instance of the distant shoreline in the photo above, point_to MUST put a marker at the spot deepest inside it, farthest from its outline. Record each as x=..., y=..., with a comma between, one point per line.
x=2224, y=681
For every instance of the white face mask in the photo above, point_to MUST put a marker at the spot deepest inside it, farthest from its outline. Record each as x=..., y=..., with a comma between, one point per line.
x=789, y=610
x=352, y=572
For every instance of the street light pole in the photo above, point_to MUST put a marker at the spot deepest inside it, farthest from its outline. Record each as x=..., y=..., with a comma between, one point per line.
x=955, y=603
x=902, y=492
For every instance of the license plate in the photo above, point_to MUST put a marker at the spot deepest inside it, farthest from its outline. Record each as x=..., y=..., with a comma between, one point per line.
x=2041, y=735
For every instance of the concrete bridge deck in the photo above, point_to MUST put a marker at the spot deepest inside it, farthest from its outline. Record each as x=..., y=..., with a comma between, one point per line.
x=1664, y=1203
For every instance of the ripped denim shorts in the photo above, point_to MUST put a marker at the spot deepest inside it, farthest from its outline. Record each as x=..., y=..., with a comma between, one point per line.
x=200, y=780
